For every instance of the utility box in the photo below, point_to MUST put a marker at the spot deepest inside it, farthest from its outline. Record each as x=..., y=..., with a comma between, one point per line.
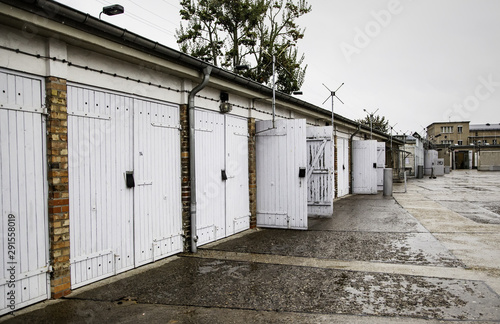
x=439, y=168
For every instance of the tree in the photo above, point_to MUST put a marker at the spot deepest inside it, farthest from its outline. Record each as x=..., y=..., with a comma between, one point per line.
x=229, y=33
x=378, y=123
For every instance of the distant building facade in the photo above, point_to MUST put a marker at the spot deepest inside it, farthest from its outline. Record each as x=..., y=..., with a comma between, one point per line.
x=460, y=143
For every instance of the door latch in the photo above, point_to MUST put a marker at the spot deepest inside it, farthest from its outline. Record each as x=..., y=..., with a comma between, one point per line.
x=129, y=179
x=223, y=175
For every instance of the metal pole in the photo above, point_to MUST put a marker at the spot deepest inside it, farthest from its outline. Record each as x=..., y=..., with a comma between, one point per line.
x=371, y=131
x=274, y=90
x=333, y=117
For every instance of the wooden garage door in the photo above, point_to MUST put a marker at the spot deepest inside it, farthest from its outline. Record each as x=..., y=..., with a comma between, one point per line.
x=115, y=140
x=23, y=202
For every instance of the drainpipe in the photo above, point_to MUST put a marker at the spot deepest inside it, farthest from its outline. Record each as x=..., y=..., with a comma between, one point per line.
x=192, y=153
x=350, y=156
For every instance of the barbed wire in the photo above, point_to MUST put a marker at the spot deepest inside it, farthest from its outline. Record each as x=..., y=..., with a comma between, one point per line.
x=116, y=75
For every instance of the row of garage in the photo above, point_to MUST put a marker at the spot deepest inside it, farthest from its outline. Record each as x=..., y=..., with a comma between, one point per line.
x=127, y=183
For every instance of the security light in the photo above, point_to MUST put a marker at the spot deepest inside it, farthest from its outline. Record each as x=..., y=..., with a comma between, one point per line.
x=112, y=10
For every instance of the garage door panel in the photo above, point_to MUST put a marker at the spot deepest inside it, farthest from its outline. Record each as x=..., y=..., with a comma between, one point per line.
x=281, y=193
x=23, y=201
x=237, y=192
x=100, y=204
x=158, y=209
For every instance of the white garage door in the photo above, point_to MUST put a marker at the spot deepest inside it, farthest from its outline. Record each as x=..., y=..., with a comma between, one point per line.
x=23, y=203
x=125, y=191
x=281, y=174
x=222, y=192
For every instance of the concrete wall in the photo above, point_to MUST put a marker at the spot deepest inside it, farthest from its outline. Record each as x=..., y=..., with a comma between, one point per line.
x=489, y=161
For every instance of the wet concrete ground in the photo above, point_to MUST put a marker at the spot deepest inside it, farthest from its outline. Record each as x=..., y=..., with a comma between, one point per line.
x=431, y=254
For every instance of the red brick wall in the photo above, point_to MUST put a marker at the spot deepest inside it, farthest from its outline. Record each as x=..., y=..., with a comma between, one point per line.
x=252, y=174
x=185, y=174
x=57, y=156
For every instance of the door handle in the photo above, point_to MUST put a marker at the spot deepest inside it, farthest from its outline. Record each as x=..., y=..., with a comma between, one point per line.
x=223, y=175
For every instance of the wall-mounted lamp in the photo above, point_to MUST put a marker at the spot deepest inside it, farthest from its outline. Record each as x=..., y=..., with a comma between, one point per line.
x=112, y=10
x=241, y=67
x=225, y=106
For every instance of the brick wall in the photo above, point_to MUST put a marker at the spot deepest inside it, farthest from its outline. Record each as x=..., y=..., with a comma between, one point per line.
x=57, y=156
x=185, y=174
x=252, y=174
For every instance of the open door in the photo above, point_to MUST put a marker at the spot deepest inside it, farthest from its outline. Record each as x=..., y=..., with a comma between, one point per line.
x=320, y=163
x=364, y=157
x=281, y=174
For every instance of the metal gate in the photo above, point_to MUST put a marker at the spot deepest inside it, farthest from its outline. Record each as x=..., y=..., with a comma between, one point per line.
x=223, y=203
x=281, y=174
x=24, y=257
x=124, y=182
x=320, y=165
x=342, y=167
x=380, y=165
x=364, y=158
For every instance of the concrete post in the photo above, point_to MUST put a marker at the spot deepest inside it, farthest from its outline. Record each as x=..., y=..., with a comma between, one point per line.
x=387, y=182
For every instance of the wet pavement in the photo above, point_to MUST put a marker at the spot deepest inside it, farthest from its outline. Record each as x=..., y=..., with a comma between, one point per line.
x=429, y=255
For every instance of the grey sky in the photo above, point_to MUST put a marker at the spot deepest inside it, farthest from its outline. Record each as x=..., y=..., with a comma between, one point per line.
x=416, y=61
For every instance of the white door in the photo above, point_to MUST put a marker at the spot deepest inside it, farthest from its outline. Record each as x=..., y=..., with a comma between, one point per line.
x=364, y=158
x=281, y=174
x=112, y=220
x=157, y=192
x=320, y=186
x=24, y=259
x=342, y=167
x=380, y=165
x=222, y=193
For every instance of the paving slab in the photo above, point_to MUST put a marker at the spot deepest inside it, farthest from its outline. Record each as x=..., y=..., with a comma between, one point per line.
x=407, y=248
x=271, y=287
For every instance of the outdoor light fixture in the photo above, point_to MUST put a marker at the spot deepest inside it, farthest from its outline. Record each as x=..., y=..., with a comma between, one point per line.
x=112, y=10
x=225, y=106
x=241, y=67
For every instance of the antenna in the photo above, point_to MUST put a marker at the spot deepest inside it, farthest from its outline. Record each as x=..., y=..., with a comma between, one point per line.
x=333, y=95
x=392, y=127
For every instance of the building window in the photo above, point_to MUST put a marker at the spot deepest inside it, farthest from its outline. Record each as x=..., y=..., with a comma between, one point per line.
x=447, y=142
x=460, y=142
x=460, y=129
x=447, y=129
x=495, y=142
x=485, y=141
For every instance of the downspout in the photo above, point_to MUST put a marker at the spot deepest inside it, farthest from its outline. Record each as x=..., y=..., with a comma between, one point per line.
x=350, y=157
x=192, y=154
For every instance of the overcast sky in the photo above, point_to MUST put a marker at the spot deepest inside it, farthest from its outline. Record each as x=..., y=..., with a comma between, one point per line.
x=417, y=61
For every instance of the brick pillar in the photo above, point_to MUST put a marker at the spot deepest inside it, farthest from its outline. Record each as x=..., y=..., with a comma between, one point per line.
x=57, y=156
x=252, y=173
x=185, y=174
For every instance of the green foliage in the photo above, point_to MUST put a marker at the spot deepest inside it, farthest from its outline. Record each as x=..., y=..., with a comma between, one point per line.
x=229, y=33
x=379, y=123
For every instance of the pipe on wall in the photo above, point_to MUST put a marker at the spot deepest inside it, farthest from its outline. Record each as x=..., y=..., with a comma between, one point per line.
x=192, y=154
